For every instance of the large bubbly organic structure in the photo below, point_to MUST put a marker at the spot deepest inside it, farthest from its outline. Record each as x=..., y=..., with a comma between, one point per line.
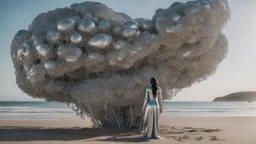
x=100, y=61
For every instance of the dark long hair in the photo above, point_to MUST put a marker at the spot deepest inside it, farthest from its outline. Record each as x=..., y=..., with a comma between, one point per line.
x=154, y=84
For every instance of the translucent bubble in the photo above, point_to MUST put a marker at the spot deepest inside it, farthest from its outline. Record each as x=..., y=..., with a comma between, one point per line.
x=44, y=50
x=49, y=65
x=76, y=38
x=75, y=19
x=66, y=25
x=128, y=32
x=86, y=26
x=70, y=54
x=21, y=51
x=100, y=41
x=131, y=24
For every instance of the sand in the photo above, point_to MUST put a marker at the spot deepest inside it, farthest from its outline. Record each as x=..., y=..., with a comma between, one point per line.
x=174, y=130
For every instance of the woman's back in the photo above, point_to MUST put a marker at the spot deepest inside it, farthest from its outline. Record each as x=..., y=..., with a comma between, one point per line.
x=149, y=91
x=152, y=107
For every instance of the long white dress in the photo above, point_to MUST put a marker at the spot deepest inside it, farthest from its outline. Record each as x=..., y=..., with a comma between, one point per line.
x=152, y=107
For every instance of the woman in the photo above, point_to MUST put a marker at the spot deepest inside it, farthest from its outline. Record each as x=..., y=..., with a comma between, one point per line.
x=152, y=107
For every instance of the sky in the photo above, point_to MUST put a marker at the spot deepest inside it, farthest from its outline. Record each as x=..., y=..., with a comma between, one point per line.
x=236, y=73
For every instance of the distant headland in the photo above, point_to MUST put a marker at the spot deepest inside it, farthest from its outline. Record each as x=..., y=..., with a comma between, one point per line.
x=249, y=96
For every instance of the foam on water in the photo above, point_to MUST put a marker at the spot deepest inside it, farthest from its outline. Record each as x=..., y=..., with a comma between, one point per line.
x=210, y=109
x=34, y=110
x=51, y=110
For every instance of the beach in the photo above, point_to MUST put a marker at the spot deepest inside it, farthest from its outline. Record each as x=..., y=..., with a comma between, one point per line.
x=174, y=130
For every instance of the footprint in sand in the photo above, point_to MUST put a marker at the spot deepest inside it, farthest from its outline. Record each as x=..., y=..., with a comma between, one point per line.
x=199, y=138
x=214, y=138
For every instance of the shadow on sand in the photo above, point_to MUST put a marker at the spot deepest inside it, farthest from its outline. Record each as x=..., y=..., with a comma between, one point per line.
x=18, y=133
x=87, y=134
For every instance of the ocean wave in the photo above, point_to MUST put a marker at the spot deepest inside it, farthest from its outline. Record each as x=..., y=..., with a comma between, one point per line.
x=204, y=110
x=45, y=110
x=34, y=110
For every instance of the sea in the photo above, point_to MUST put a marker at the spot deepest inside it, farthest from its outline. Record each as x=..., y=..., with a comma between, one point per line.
x=53, y=110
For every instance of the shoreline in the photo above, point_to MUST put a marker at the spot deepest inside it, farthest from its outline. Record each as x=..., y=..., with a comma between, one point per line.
x=162, y=115
x=174, y=129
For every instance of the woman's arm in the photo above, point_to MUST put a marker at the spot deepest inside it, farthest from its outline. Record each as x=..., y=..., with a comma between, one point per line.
x=145, y=101
x=160, y=100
